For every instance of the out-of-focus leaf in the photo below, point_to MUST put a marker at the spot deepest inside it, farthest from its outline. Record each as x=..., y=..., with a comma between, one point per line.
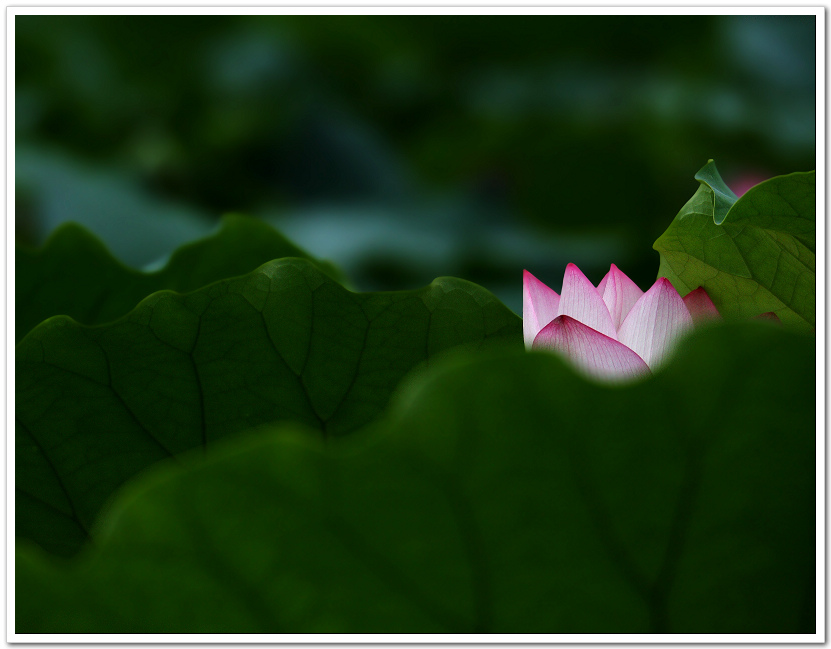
x=74, y=274
x=752, y=255
x=504, y=494
x=137, y=225
x=97, y=405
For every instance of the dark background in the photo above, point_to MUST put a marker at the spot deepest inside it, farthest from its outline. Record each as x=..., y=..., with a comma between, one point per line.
x=405, y=147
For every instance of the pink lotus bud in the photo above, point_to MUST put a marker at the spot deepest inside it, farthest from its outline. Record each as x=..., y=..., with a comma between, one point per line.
x=613, y=331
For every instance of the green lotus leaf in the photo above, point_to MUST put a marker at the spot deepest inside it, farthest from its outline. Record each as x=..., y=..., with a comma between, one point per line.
x=98, y=405
x=752, y=255
x=74, y=274
x=503, y=494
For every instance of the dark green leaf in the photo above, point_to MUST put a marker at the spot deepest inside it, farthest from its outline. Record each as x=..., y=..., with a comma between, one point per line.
x=97, y=405
x=504, y=494
x=752, y=256
x=75, y=275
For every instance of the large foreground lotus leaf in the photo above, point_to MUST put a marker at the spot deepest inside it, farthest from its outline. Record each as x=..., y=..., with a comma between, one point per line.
x=753, y=254
x=504, y=494
x=97, y=405
x=74, y=274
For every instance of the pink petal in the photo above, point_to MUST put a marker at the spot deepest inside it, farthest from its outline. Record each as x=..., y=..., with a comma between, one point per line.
x=655, y=323
x=700, y=305
x=619, y=293
x=597, y=355
x=746, y=181
x=770, y=315
x=581, y=301
x=539, y=306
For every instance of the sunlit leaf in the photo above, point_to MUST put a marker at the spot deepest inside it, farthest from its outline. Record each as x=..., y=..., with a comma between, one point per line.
x=752, y=255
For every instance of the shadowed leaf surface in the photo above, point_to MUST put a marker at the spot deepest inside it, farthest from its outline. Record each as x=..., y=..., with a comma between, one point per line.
x=97, y=405
x=504, y=494
x=752, y=255
x=74, y=274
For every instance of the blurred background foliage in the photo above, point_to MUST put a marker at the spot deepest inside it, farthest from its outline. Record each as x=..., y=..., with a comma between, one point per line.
x=404, y=147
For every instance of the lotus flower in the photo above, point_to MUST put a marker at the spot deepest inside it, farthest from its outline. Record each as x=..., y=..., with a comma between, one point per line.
x=614, y=331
